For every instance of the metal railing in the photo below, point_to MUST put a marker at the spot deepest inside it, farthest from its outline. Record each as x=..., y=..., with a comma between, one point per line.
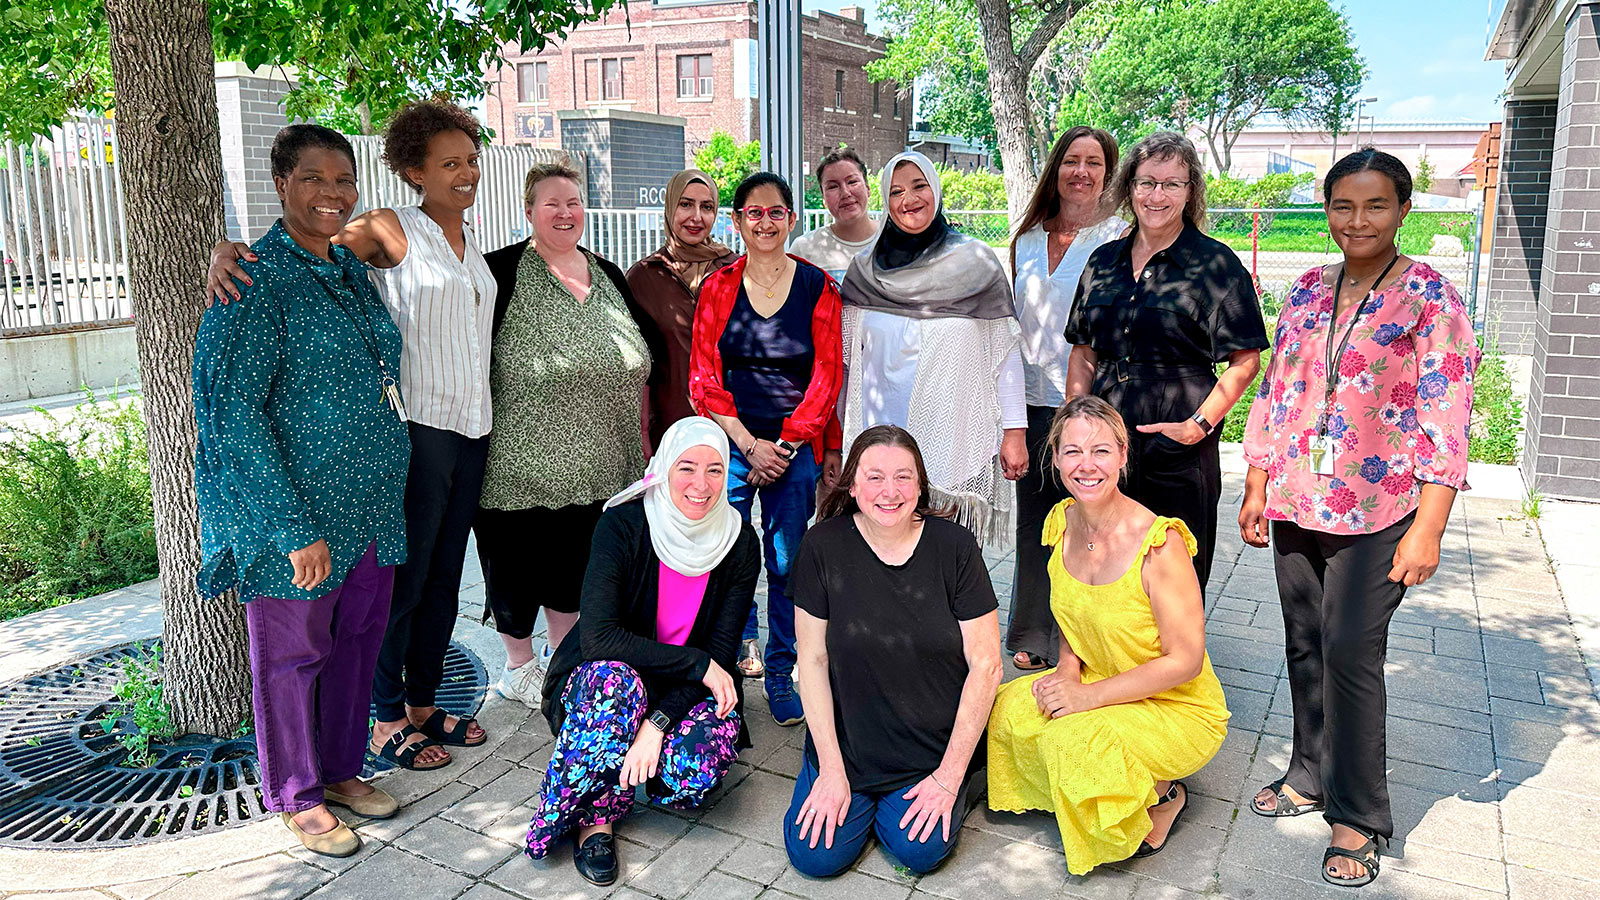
x=63, y=250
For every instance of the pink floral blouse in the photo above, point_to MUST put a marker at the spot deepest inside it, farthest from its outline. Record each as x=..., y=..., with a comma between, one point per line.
x=1401, y=406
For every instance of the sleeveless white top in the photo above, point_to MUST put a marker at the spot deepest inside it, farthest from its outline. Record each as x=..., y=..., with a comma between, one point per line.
x=444, y=308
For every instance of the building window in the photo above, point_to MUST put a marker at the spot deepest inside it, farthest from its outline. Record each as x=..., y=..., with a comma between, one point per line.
x=591, y=79
x=875, y=108
x=838, y=89
x=533, y=82
x=611, y=79
x=897, y=104
x=694, y=76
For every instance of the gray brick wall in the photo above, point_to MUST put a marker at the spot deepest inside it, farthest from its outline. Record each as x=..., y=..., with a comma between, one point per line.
x=250, y=114
x=624, y=156
x=1562, y=457
x=1526, y=145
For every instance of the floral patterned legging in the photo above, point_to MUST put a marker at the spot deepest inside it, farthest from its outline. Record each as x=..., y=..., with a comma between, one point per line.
x=606, y=703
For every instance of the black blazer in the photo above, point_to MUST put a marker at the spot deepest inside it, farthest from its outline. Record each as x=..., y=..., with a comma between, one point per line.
x=503, y=264
x=617, y=619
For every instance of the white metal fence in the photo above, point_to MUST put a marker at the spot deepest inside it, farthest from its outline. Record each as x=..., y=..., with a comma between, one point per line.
x=63, y=252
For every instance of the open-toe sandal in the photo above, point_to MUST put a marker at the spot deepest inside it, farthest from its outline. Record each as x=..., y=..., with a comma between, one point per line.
x=396, y=751
x=1027, y=662
x=1365, y=855
x=1172, y=794
x=1285, y=806
x=454, y=737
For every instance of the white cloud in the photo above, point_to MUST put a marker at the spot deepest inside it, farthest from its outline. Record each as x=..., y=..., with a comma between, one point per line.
x=1420, y=107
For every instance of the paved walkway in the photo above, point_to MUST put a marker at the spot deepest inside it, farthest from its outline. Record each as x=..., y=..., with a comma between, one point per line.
x=1494, y=769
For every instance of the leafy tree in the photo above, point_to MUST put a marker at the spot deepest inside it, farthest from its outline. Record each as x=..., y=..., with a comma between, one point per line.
x=1422, y=179
x=728, y=162
x=1218, y=64
x=160, y=56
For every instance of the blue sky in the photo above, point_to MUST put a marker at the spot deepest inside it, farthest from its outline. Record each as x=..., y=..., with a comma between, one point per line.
x=1424, y=57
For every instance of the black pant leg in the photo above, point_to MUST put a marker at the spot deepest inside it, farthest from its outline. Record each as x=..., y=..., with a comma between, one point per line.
x=1358, y=602
x=1173, y=479
x=434, y=620
x=1298, y=562
x=1032, y=627
x=428, y=491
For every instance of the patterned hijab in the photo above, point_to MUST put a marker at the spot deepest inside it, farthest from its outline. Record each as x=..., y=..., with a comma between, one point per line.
x=689, y=546
x=690, y=262
x=935, y=273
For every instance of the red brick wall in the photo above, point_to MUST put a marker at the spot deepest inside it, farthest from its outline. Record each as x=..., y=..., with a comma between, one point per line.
x=660, y=34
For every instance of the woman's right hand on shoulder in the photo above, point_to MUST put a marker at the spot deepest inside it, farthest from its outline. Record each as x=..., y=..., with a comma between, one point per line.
x=825, y=808
x=224, y=269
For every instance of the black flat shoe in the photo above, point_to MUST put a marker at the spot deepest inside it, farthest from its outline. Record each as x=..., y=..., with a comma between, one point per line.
x=596, y=859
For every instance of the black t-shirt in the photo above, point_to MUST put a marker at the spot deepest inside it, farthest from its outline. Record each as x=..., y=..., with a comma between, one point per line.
x=767, y=362
x=895, y=660
x=1193, y=304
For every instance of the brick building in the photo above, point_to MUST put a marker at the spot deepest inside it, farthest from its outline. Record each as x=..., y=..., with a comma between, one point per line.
x=1544, y=283
x=696, y=60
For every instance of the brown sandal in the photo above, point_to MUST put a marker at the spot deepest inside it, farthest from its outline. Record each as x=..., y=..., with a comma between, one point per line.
x=1027, y=662
x=750, y=664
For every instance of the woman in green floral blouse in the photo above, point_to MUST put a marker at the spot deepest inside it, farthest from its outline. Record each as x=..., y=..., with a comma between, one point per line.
x=568, y=374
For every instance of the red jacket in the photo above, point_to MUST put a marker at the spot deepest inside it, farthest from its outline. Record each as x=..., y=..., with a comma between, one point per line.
x=814, y=421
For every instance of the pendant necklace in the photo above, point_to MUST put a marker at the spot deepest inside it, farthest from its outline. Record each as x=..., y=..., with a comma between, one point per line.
x=768, y=287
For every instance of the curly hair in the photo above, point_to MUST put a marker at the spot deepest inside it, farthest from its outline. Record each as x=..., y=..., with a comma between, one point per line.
x=1163, y=145
x=405, y=141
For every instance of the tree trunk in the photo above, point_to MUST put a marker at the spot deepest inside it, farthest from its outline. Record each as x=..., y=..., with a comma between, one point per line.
x=1008, y=91
x=171, y=168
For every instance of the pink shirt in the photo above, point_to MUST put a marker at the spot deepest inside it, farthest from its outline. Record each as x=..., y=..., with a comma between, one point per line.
x=677, y=604
x=1402, y=403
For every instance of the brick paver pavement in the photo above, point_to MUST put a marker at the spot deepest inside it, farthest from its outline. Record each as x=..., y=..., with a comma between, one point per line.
x=1494, y=771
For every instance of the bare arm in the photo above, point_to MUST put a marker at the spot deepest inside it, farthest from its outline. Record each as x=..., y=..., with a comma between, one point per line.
x=1417, y=556
x=980, y=644
x=825, y=807
x=375, y=237
x=1081, y=363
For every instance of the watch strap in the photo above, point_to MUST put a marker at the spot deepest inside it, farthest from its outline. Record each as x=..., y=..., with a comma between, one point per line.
x=1200, y=420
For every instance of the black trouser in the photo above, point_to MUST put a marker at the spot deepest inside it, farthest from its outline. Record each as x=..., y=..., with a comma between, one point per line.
x=1337, y=602
x=1170, y=478
x=1033, y=626
x=442, y=492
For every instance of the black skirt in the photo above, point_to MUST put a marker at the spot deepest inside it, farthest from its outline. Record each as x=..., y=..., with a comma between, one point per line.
x=532, y=558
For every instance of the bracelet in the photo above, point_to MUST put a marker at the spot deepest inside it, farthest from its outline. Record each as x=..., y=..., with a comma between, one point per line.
x=941, y=784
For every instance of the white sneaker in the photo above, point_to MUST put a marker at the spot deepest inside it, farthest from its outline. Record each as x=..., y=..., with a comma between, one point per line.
x=525, y=684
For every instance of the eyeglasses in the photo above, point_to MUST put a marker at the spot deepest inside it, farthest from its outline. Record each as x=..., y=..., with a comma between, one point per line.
x=1145, y=186
x=753, y=214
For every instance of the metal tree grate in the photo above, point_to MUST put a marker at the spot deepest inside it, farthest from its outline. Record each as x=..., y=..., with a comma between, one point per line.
x=64, y=782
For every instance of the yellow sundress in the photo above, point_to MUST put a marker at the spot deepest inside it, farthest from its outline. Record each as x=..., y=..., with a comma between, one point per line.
x=1097, y=770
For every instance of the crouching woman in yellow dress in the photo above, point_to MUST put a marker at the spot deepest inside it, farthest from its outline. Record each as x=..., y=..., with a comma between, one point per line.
x=1101, y=739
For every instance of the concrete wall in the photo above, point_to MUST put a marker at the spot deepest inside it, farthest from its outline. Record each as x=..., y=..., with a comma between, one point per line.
x=631, y=156
x=50, y=364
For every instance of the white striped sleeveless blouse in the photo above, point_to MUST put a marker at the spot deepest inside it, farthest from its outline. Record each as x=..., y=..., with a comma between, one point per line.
x=444, y=308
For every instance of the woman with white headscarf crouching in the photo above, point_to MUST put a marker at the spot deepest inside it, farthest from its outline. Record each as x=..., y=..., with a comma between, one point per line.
x=931, y=344
x=640, y=692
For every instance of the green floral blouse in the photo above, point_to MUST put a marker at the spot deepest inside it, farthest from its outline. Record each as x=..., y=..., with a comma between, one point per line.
x=567, y=380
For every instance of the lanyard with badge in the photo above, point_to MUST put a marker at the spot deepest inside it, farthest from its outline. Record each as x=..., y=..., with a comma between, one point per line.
x=389, y=392
x=1324, y=447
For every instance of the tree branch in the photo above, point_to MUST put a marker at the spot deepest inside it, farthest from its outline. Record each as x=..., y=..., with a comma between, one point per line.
x=1055, y=16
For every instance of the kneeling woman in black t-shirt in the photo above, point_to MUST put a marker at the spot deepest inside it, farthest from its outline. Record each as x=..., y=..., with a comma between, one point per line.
x=890, y=746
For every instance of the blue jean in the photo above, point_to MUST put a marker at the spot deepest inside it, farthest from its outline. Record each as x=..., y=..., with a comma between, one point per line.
x=868, y=813
x=786, y=506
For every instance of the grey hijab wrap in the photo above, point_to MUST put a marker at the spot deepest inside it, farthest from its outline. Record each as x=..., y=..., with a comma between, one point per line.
x=959, y=276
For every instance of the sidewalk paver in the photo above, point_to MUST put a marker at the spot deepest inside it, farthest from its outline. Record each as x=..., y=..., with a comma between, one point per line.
x=1494, y=759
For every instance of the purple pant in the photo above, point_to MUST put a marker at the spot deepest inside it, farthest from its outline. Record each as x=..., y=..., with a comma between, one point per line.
x=312, y=662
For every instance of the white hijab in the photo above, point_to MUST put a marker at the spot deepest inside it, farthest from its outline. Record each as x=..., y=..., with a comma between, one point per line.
x=688, y=546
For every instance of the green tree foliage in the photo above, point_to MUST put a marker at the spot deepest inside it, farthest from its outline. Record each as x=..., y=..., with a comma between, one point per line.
x=355, y=61
x=1422, y=179
x=1218, y=64
x=729, y=162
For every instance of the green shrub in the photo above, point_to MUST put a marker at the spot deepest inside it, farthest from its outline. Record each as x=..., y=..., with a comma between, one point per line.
x=141, y=697
x=1496, y=409
x=75, y=512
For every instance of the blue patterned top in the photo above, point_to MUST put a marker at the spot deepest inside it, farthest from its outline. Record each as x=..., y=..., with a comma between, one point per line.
x=296, y=443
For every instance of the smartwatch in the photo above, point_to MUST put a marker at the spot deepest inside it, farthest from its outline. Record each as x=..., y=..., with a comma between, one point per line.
x=660, y=720
x=1200, y=420
x=786, y=447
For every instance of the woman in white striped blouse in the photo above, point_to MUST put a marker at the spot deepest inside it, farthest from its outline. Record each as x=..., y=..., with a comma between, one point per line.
x=439, y=290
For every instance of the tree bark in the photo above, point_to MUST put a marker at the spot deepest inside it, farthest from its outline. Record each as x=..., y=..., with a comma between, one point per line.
x=1009, y=71
x=171, y=169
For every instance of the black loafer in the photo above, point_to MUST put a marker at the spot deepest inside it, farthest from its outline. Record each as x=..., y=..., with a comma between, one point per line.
x=596, y=859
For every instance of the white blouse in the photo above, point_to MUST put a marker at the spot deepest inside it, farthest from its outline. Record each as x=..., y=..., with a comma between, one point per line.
x=1044, y=300
x=444, y=308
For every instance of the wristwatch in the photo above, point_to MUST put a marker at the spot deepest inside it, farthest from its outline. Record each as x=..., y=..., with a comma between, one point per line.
x=786, y=448
x=1200, y=420
x=660, y=720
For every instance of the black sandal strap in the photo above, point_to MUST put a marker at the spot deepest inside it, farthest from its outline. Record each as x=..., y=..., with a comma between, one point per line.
x=396, y=751
x=1366, y=856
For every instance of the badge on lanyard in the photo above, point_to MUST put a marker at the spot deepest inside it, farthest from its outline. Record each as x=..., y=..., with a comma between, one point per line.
x=1324, y=450
x=391, y=396
x=1324, y=454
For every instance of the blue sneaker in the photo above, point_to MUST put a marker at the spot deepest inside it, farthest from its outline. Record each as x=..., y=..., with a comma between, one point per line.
x=782, y=700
